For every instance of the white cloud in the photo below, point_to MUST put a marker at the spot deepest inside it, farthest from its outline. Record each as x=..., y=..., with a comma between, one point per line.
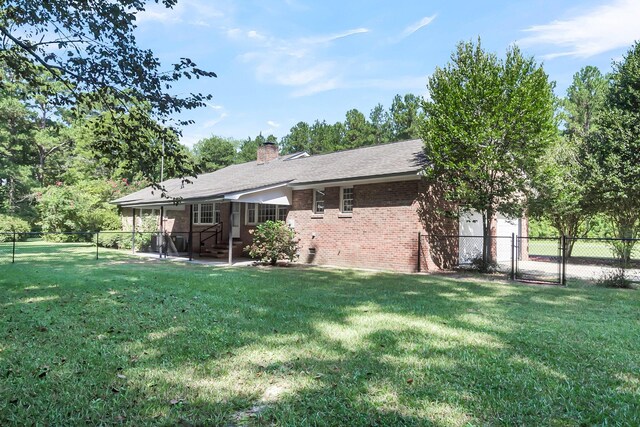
x=211, y=123
x=601, y=29
x=332, y=37
x=273, y=124
x=195, y=12
x=319, y=86
x=299, y=63
x=418, y=25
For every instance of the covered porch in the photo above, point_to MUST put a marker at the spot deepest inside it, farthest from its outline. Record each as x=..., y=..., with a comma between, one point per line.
x=215, y=228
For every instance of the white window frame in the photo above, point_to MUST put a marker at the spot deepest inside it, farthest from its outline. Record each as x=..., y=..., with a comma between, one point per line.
x=342, y=199
x=255, y=207
x=198, y=211
x=314, y=208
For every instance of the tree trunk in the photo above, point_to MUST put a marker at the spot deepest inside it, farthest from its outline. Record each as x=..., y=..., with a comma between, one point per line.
x=12, y=196
x=488, y=258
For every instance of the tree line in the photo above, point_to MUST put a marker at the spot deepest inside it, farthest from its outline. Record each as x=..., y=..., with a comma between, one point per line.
x=399, y=122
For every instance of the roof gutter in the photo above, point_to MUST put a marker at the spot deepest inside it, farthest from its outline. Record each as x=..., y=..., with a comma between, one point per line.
x=404, y=176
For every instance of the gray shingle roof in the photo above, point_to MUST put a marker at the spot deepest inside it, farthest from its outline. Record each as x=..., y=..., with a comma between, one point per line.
x=398, y=158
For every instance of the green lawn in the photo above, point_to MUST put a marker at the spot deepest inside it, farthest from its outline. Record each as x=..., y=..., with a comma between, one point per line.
x=123, y=340
x=581, y=249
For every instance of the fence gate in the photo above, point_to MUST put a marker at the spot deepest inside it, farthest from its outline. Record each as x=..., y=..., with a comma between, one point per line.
x=538, y=259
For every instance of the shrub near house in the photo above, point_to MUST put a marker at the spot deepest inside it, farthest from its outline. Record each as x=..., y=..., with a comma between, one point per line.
x=273, y=241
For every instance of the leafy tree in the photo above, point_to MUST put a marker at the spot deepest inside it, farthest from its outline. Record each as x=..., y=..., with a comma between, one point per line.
x=298, y=139
x=90, y=47
x=249, y=150
x=83, y=207
x=17, y=135
x=584, y=102
x=52, y=140
x=488, y=121
x=559, y=191
x=358, y=131
x=326, y=138
x=381, y=123
x=215, y=153
x=405, y=117
x=12, y=224
x=560, y=185
x=612, y=154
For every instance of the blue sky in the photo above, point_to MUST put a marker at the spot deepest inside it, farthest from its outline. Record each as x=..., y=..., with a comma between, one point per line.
x=284, y=61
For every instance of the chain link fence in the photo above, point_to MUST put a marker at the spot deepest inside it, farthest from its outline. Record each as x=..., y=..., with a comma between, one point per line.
x=553, y=260
x=17, y=247
x=602, y=259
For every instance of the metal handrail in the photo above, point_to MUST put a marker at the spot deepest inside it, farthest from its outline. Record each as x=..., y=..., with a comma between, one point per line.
x=217, y=234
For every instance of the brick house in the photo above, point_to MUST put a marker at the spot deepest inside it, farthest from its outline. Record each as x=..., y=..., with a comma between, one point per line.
x=355, y=208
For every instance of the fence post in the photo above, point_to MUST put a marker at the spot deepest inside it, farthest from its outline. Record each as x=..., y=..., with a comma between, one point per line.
x=419, y=250
x=133, y=233
x=563, y=259
x=97, y=240
x=13, y=253
x=513, y=256
x=191, y=232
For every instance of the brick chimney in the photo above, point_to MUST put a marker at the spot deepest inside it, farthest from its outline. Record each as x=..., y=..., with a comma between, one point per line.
x=267, y=152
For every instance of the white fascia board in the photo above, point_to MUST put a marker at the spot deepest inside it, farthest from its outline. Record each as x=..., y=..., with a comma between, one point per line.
x=150, y=205
x=357, y=181
x=274, y=195
x=180, y=202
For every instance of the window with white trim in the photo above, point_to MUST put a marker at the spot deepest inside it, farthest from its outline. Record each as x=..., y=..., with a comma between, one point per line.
x=346, y=199
x=259, y=213
x=318, y=201
x=206, y=213
x=251, y=213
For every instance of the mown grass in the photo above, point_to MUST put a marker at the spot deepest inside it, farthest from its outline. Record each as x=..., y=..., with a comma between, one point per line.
x=123, y=340
x=586, y=248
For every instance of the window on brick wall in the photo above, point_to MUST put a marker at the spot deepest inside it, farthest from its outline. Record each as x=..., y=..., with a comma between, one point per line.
x=346, y=199
x=318, y=201
x=258, y=213
x=206, y=213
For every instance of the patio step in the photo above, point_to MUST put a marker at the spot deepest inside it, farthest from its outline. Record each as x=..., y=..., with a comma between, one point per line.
x=219, y=250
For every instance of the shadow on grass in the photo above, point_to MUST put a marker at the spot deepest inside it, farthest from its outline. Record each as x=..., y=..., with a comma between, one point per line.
x=158, y=343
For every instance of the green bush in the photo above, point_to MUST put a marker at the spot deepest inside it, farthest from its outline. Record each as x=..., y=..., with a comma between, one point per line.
x=123, y=239
x=615, y=279
x=75, y=208
x=273, y=241
x=9, y=224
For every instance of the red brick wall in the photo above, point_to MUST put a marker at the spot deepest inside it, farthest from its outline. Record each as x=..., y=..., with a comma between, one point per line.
x=381, y=233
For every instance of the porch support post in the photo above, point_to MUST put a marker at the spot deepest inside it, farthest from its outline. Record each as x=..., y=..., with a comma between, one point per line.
x=191, y=232
x=230, y=233
x=133, y=233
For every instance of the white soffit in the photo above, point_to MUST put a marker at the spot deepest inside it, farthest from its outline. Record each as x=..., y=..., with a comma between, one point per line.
x=280, y=195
